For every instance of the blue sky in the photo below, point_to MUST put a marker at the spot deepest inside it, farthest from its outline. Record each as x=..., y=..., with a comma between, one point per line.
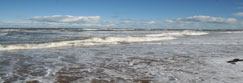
x=178, y=14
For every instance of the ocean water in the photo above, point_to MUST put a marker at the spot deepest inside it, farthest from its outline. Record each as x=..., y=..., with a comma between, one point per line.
x=120, y=56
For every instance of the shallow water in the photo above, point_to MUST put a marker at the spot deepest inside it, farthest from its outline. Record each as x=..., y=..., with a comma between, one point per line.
x=120, y=56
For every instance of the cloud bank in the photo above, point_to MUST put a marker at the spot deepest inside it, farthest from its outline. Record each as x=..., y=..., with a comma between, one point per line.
x=151, y=22
x=68, y=20
x=205, y=19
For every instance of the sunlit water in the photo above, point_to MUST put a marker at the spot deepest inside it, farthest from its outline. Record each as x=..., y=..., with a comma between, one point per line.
x=120, y=56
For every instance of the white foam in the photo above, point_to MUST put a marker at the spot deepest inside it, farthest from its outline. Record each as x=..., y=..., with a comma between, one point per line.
x=90, y=29
x=9, y=30
x=104, y=41
x=85, y=42
x=3, y=34
x=179, y=33
x=94, y=29
x=188, y=43
x=233, y=32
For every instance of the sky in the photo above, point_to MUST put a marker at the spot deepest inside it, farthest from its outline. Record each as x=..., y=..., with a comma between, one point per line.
x=148, y=14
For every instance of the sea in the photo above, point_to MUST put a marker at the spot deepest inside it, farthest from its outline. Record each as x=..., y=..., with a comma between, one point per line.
x=82, y=55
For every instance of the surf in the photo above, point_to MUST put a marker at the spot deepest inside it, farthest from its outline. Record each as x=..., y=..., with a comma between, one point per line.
x=85, y=42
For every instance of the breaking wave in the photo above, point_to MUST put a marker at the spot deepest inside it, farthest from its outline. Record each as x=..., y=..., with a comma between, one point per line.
x=179, y=33
x=84, y=42
x=103, y=40
x=233, y=32
x=3, y=34
x=198, y=43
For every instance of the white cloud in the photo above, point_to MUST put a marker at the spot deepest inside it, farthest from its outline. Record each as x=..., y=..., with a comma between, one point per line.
x=136, y=22
x=192, y=22
x=60, y=21
x=169, y=21
x=151, y=22
x=238, y=14
x=205, y=19
x=53, y=24
x=127, y=22
x=66, y=19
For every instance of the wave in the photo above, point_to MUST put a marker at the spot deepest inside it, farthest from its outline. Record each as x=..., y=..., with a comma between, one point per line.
x=104, y=40
x=179, y=33
x=9, y=30
x=199, y=43
x=105, y=29
x=3, y=34
x=85, y=42
x=233, y=32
